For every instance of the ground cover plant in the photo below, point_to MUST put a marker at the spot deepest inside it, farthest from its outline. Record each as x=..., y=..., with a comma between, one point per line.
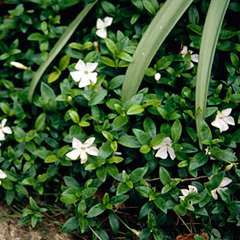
x=81, y=149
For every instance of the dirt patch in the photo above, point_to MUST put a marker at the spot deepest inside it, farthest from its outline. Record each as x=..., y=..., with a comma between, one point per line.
x=10, y=230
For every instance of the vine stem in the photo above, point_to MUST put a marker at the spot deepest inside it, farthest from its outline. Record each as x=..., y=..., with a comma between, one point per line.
x=94, y=232
x=182, y=180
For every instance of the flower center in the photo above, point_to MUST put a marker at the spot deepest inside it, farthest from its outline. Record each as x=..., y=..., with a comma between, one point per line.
x=1, y=127
x=83, y=148
x=86, y=72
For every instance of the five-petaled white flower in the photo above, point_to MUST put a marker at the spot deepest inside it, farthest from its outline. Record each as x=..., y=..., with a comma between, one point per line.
x=102, y=26
x=190, y=189
x=82, y=149
x=4, y=129
x=2, y=175
x=157, y=76
x=164, y=149
x=223, y=119
x=84, y=74
x=221, y=187
x=194, y=57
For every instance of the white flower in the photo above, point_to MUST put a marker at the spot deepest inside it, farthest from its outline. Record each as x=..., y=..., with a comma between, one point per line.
x=222, y=187
x=2, y=175
x=82, y=149
x=223, y=119
x=164, y=149
x=102, y=26
x=190, y=189
x=194, y=57
x=4, y=129
x=157, y=76
x=84, y=74
x=18, y=65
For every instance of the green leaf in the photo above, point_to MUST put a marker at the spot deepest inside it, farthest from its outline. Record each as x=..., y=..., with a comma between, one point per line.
x=148, y=6
x=96, y=210
x=157, y=139
x=112, y=47
x=40, y=122
x=64, y=62
x=53, y=76
x=74, y=116
x=69, y=199
x=129, y=141
x=116, y=82
x=180, y=210
x=234, y=59
x=176, y=130
x=142, y=137
x=215, y=181
x=51, y=159
x=157, y=31
x=101, y=173
x=164, y=176
x=120, y=121
x=161, y=204
x=58, y=47
x=223, y=155
x=149, y=127
x=138, y=174
x=97, y=97
x=108, y=7
x=107, y=61
x=21, y=189
x=114, y=223
x=70, y=225
x=205, y=133
x=112, y=170
x=211, y=30
x=122, y=188
x=198, y=160
x=135, y=109
x=125, y=56
x=47, y=92
x=70, y=182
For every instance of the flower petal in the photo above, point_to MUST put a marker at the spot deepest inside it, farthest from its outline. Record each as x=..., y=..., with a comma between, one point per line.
x=157, y=76
x=171, y=153
x=162, y=153
x=76, y=75
x=225, y=182
x=184, y=51
x=80, y=65
x=226, y=112
x=2, y=136
x=229, y=120
x=2, y=174
x=192, y=189
x=92, y=151
x=100, y=24
x=185, y=192
x=76, y=143
x=74, y=154
x=7, y=130
x=214, y=194
x=108, y=21
x=91, y=66
x=220, y=124
x=194, y=58
x=83, y=157
x=84, y=81
x=93, y=77
x=102, y=33
x=3, y=122
x=89, y=142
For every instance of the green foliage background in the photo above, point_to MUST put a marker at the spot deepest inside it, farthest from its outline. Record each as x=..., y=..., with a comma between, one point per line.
x=135, y=194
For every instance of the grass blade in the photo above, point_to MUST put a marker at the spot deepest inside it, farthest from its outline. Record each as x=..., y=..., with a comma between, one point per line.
x=57, y=48
x=158, y=30
x=211, y=30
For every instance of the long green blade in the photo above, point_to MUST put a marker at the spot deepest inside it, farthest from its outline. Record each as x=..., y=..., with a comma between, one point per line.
x=158, y=30
x=211, y=30
x=57, y=48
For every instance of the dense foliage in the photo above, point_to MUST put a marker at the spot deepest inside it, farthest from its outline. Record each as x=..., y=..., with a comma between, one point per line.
x=139, y=172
